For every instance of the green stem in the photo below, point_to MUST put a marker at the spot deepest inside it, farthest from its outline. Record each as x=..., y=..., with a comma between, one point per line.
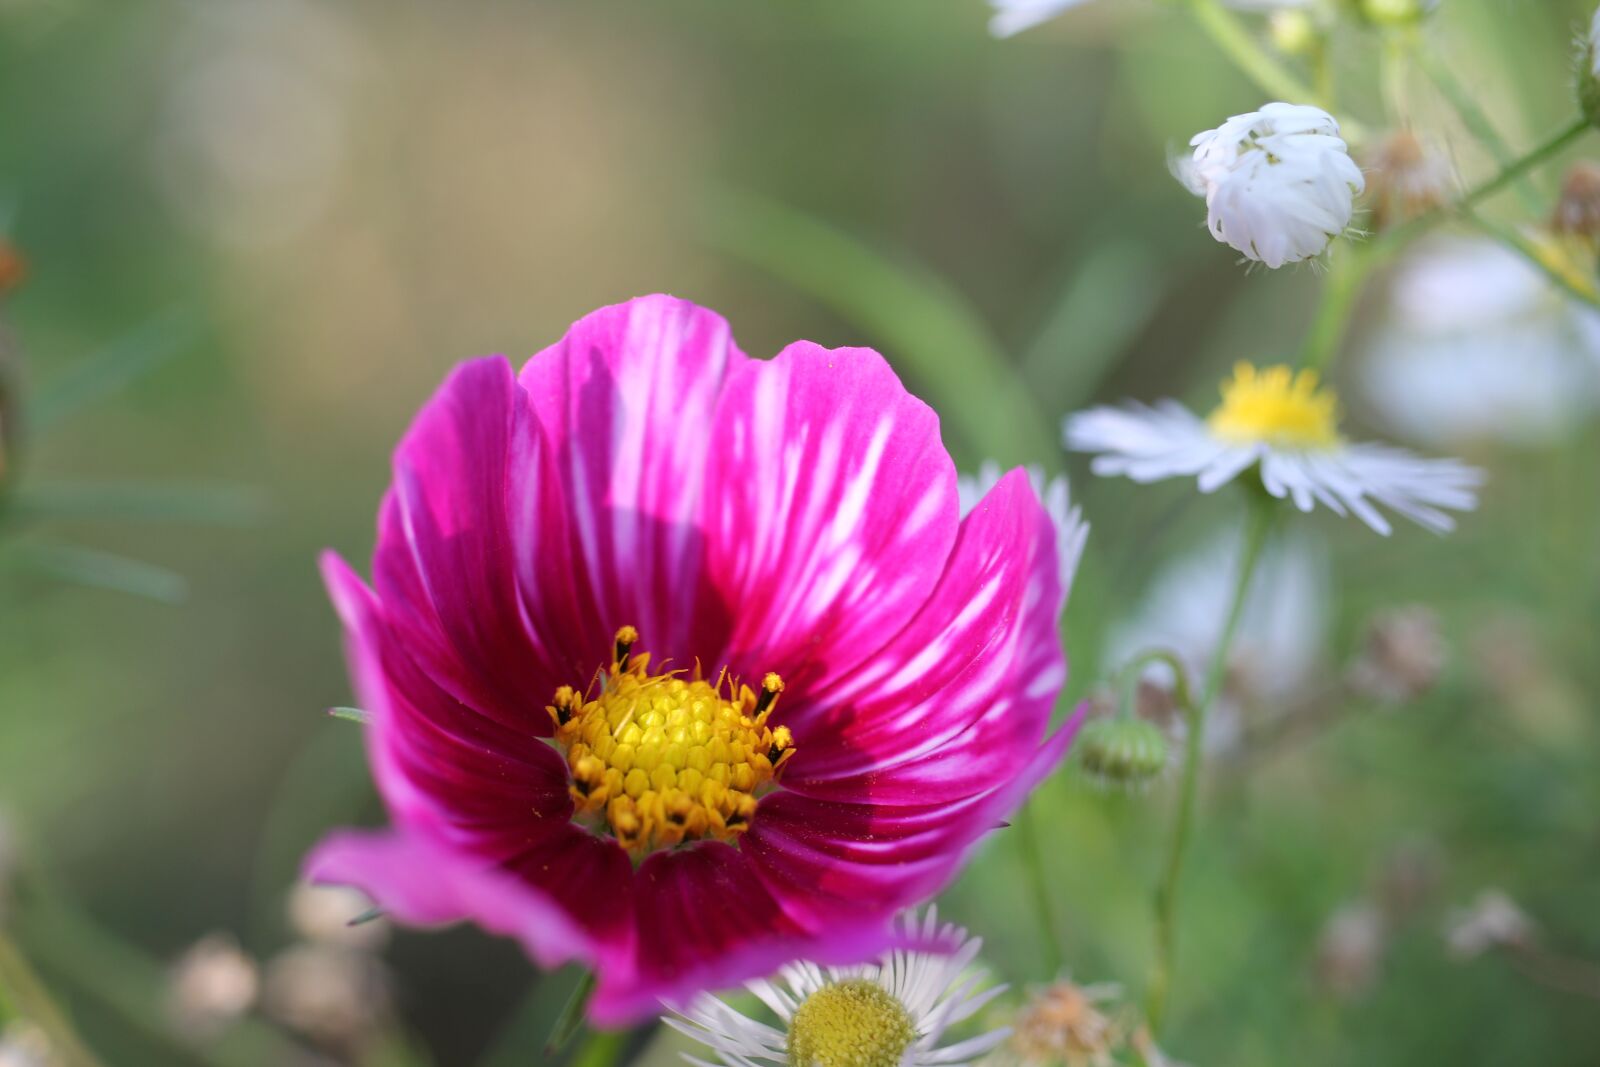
x=1328, y=329
x=1166, y=902
x=601, y=1050
x=571, y=1018
x=25, y=994
x=1236, y=41
x=1039, y=885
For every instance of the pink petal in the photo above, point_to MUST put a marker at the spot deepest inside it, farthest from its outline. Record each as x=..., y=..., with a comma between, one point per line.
x=630, y=396
x=961, y=699
x=832, y=507
x=419, y=881
x=438, y=763
x=705, y=921
x=455, y=546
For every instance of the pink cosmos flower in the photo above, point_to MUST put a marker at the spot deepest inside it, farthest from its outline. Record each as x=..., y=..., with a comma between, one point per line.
x=574, y=567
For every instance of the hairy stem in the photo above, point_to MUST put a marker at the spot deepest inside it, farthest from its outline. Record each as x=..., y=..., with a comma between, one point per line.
x=1339, y=294
x=1257, y=528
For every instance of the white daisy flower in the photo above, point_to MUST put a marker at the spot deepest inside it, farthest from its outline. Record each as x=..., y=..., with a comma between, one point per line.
x=889, y=1014
x=1477, y=345
x=1279, y=183
x=1013, y=16
x=1054, y=494
x=1283, y=425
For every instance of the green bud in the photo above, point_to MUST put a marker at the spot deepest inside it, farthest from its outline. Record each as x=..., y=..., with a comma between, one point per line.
x=1294, y=32
x=1122, y=751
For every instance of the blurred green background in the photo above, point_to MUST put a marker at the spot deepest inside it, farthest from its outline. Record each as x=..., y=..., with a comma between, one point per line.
x=301, y=214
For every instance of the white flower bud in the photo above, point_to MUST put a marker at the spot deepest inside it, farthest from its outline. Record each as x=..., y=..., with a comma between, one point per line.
x=1279, y=183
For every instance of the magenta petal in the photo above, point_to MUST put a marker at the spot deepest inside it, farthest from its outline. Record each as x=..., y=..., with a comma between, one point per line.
x=629, y=396
x=961, y=698
x=832, y=507
x=454, y=544
x=438, y=763
x=417, y=881
x=706, y=921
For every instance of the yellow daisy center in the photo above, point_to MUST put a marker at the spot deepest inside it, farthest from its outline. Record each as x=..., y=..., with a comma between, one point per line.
x=663, y=759
x=1276, y=406
x=855, y=1023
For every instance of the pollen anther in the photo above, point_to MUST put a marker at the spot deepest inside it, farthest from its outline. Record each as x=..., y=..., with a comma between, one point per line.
x=664, y=759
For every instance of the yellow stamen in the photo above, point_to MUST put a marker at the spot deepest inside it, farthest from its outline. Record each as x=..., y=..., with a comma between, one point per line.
x=1276, y=406
x=854, y=1023
x=663, y=759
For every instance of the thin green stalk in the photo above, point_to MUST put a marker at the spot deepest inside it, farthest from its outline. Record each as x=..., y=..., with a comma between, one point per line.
x=1259, y=525
x=1039, y=885
x=1328, y=329
x=24, y=993
x=601, y=1050
x=571, y=1018
x=1236, y=41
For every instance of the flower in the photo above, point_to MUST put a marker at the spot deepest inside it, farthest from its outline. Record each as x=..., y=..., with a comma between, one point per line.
x=893, y=1013
x=1072, y=533
x=327, y=915
x=1408, y=178
x=1477, y=344
x=1404, y=655
x=1011, y=17
x=1492, y=921
x=1351, y=949
x=334, y=995
x=1577, y=212
x=1284, y=425
x=794, y=522
x=1064, y=1023
x=1279, y=183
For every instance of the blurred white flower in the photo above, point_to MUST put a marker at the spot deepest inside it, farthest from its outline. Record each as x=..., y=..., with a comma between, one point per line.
x=1056, y=496
x=212, y=984
x=323, y=914
x=1279, y=183
x=1282, y=633
x=1284, y=426
x=1406, y=177
x=1013, y=16
x=1477, y=344
x=1403, y=656
x=1493, y=921
x=23, y=1044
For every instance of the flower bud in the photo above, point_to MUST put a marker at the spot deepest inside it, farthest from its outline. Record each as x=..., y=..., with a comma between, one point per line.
x=325, y=914
x=212, y=985
x=334, y=996
x=1351, y=950
x=1493, y=921
x=1067, y=1023
x=1589, y=73
x=13, y=267
x=1577, y=212
x=1123, y=751
x=1294, y=32
x=1406, y=178
x=1403, y=658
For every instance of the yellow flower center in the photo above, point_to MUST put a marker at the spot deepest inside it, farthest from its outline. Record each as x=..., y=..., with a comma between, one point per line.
x=855, y=1023
x=1276, y=406
x=663, y=759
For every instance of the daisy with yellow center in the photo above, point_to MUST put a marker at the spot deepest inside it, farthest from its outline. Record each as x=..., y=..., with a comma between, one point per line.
x=1284, y=426
x=893, y=1013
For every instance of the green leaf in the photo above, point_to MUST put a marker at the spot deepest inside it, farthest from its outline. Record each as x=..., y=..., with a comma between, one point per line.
x=100, y=570
x=113, y=368
x=919, y=319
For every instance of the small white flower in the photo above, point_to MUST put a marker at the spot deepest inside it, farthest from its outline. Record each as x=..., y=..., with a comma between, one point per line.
x=1279, y=183
x=889, y=1014
x=1054, y=494
x=1283, y=425
x=1477, y=344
